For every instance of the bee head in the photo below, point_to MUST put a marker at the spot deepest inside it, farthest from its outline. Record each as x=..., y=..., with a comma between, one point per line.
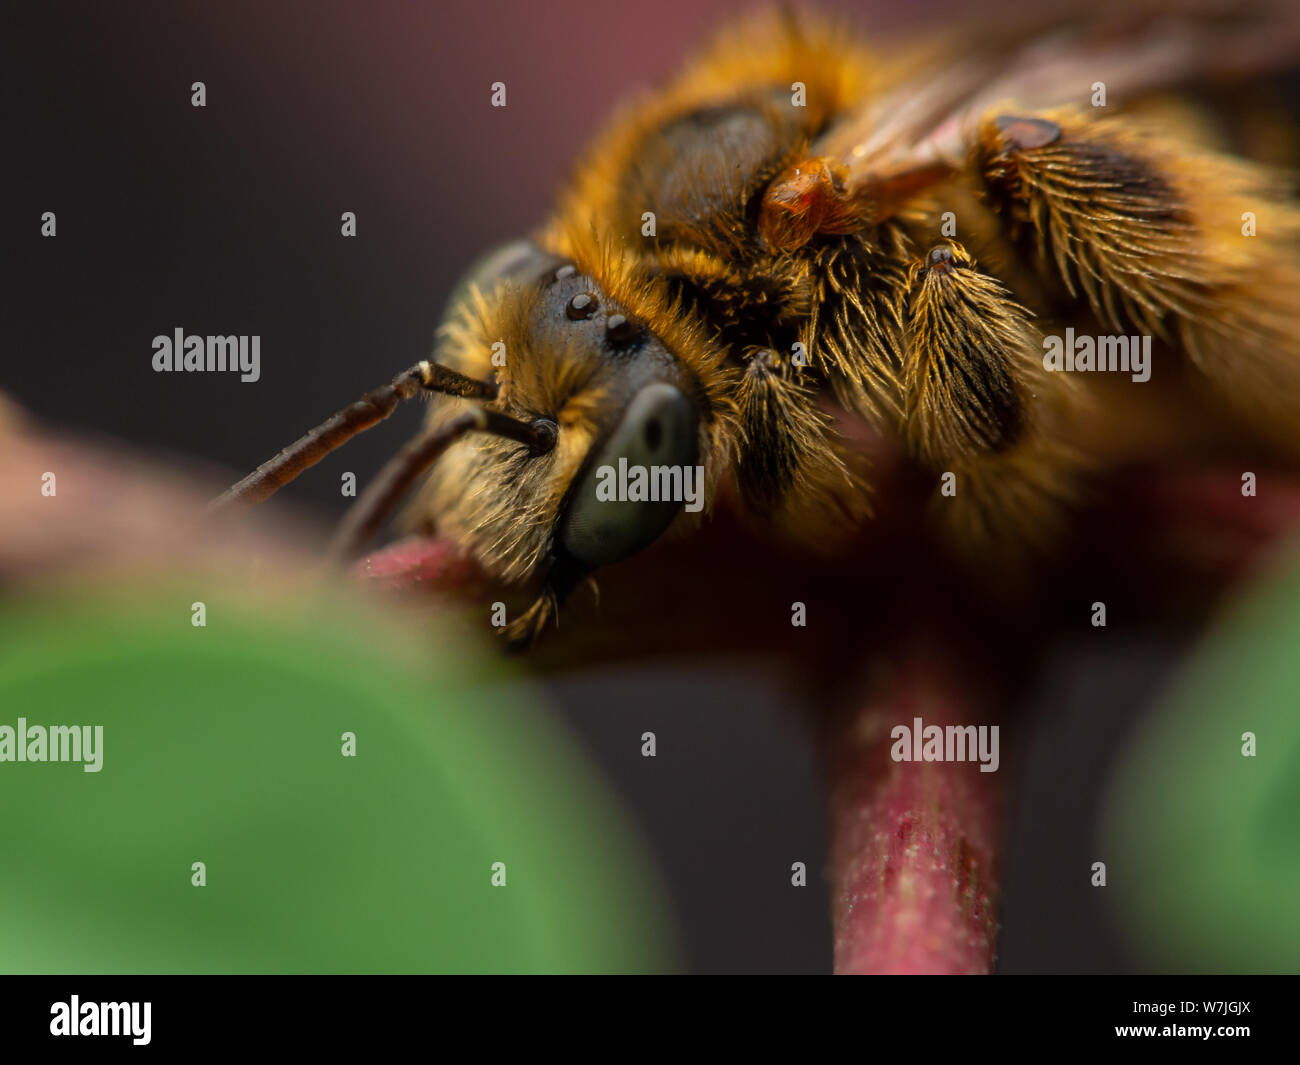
x=633, y=421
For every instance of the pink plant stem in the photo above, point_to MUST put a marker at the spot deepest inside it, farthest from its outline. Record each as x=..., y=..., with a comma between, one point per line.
x=916, y=846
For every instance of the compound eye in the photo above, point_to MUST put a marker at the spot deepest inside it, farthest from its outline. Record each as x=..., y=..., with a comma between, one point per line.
x=644, y=472
x=518, y=262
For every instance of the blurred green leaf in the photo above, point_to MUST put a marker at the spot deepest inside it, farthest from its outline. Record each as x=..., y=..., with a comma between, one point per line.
x=1202, y=843
x=222, y=744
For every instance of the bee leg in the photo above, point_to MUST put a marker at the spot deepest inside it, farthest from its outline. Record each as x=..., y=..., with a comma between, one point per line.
x=522, y=633
x=981, y=412
x=1177, y=242
x=790, y=469
x=855, y=325
x=968, y=352
x=562, y=577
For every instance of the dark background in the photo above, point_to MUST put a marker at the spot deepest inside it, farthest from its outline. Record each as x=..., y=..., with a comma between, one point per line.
x=226, y=220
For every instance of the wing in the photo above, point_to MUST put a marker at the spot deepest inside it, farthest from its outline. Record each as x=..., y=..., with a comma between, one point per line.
x=919, y=130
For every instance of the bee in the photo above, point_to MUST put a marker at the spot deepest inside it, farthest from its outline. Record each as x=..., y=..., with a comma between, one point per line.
x=797, y=231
